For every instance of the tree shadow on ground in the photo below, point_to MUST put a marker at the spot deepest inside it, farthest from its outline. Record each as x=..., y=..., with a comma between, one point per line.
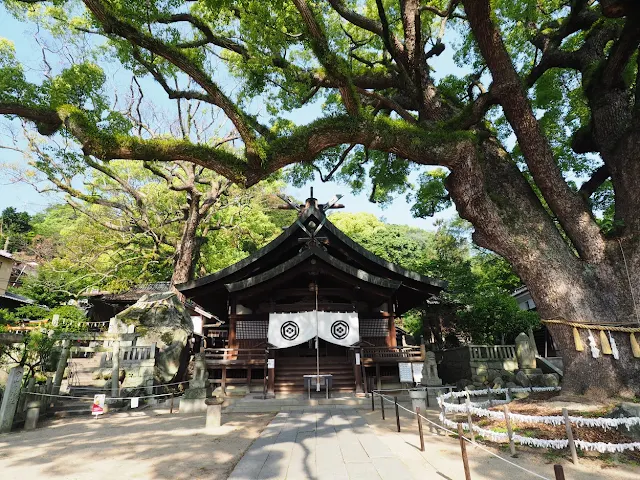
x=137, y=444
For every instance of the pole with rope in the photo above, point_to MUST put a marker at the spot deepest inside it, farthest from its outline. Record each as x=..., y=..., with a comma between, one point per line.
x=317, y=344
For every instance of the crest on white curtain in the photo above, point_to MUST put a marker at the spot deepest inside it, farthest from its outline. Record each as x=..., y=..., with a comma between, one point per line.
x=339, y=328
x=290, y=329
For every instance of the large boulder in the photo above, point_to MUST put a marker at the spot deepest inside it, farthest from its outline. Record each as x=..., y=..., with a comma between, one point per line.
x=551, y=380
x=460, y=384
x=628, y=410
x=161, y=318
x=498, y=382
x=523, y=379
x=537, y=380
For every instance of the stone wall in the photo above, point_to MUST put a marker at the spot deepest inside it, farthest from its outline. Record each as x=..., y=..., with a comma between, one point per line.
x=475, y=361
x=454, y=364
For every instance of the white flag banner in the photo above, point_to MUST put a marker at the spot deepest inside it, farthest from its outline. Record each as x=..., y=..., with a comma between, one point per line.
x=290, y=329
x=339, y=328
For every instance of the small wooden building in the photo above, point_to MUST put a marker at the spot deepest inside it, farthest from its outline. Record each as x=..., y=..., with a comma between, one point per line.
x=312, y=266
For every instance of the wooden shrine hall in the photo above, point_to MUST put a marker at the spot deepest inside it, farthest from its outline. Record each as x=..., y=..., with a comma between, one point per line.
x=312, y=282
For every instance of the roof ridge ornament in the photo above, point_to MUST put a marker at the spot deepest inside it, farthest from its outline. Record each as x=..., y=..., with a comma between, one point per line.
x=310, y=202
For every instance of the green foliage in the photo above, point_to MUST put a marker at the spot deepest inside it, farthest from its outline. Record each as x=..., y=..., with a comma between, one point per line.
x=412, y=322
x=32, y=312
x=480, y=282
x=55, y=282
x=431, y=196
x=7, y=317
x=400, y=244
x=71, y=318
x=15, y=229
x=492, y=316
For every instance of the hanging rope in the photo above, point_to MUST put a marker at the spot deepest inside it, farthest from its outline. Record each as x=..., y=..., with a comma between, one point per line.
x=593, y=326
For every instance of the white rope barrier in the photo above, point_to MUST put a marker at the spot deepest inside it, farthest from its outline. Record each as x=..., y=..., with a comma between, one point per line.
x=109, y=388
x=466, y=427
x=67, y=397
x=478, y=409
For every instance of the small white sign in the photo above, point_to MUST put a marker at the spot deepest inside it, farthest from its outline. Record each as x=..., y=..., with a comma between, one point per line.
x=197, y=324
x=134, y=402
x=406, y=373
x=98, y=404
x=271, y=363
x=357, y=359
x=417, y=372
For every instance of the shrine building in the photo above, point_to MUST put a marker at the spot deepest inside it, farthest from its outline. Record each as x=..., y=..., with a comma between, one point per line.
x=311, y=282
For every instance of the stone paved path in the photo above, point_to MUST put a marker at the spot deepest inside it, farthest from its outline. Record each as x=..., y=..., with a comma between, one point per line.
x=322, y=444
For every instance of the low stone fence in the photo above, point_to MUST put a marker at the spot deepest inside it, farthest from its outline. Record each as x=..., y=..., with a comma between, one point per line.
x=478, y=360
x=131, y=355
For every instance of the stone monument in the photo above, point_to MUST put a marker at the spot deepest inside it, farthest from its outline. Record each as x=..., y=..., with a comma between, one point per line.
x=193, y=400
x=526, y=356
x=10, y=399
x=430, y=371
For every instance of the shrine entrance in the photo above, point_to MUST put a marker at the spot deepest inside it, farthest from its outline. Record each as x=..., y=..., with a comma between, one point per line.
x=308, y=349
x=313, y=280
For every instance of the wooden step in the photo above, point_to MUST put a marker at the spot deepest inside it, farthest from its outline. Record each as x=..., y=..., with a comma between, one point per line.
x=290, y=373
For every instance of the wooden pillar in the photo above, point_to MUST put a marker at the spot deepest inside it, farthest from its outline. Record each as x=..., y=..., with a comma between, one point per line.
x=391, y=340
x=249, y=379
x=224, y=380
x=391, y=336
x=231, y=340
x=378, y=378
x=233, y=343
x=365, y=379
x=357, y=370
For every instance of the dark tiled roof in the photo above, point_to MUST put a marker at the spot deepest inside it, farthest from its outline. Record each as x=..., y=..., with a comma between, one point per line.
x=17, y=298
x=135, y=293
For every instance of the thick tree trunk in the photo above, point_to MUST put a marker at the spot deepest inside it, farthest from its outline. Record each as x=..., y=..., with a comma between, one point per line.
x=510, y=220
x=596, y=294
x=187, y=249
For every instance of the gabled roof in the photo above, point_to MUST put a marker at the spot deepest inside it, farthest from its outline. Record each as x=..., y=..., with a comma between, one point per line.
x=311, y=235
x=250, y=262
x=305, y=255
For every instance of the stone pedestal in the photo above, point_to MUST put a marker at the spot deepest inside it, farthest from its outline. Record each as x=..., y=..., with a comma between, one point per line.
x=214, y=413
x=10, y=399
x=33, y=413
x=418, y=399
x=193, y=400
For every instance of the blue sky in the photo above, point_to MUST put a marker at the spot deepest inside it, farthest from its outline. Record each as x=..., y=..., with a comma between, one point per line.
x=24, y=197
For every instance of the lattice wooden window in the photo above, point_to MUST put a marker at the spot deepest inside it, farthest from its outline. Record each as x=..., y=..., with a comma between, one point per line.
x=252, y=329
x=374, y=327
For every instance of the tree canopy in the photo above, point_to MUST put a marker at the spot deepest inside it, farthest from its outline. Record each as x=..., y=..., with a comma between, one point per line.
x=549, y=95
x=15, y=227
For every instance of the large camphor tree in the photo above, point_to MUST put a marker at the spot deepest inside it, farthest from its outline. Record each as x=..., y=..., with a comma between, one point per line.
x=550, y=100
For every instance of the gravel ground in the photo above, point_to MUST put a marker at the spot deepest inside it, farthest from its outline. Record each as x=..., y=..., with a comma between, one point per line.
x=152, y=444
x=146, y=444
